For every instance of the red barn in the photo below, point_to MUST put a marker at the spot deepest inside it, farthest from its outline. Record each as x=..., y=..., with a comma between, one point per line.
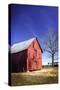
x=26, y=56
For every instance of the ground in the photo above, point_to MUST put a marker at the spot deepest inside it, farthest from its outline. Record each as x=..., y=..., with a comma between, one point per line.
x=47, y=75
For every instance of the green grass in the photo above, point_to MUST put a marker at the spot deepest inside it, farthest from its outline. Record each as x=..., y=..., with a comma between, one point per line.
x=44, y=76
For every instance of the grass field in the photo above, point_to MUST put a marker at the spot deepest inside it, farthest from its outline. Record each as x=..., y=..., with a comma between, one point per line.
x=47, y=75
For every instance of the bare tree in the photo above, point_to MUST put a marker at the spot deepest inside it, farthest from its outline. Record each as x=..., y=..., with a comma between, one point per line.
x=51, y=44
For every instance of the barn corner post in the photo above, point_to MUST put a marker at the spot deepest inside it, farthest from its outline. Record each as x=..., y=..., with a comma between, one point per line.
x=27, y=65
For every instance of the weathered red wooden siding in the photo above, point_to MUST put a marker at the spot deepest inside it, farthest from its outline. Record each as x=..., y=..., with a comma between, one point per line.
x=34, y=59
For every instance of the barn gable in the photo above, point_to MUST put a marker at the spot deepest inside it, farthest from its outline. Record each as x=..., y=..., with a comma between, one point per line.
x=39, y=45
x=36, y=40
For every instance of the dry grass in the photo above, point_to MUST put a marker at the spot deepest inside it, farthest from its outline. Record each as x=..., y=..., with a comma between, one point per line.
x=44, y=76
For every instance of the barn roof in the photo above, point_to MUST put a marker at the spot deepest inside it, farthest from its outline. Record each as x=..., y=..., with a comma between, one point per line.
x=21, y=46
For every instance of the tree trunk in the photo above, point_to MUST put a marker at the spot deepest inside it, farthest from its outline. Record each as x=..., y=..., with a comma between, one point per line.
x=52, y=60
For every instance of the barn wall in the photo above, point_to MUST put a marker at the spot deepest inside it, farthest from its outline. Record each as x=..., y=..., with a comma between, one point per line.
x=19, y=63
x=34, y=56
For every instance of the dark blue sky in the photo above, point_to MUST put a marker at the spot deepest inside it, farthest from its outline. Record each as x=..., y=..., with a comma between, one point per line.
x=29, y=21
